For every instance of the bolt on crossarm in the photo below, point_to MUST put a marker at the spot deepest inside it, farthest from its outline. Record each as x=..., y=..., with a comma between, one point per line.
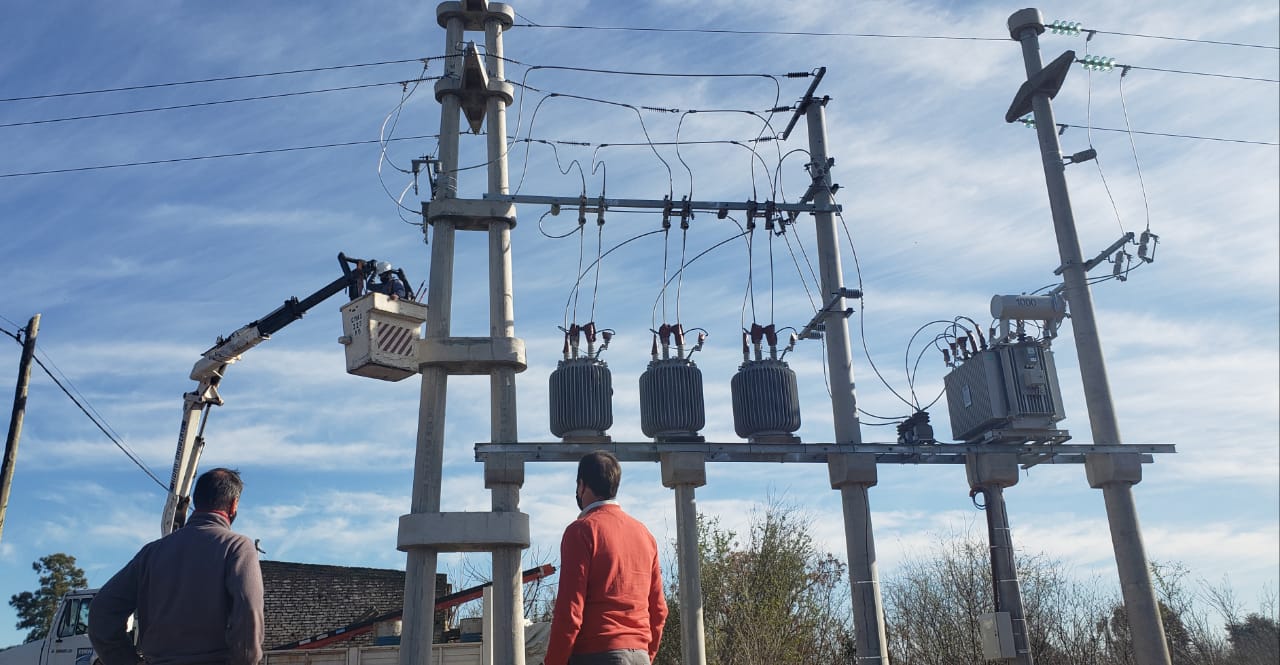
x=1114, y=474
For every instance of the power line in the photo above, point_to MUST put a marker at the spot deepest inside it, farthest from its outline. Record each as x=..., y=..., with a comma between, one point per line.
x=239, y=77
x=721, y=31
x=123, y=448
x=1177, y=136
x=1184, y=39
x=100, y=167
x=1193, y=73
x=209, y=103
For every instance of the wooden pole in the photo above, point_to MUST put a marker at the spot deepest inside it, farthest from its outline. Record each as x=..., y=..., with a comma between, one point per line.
x=15, y=423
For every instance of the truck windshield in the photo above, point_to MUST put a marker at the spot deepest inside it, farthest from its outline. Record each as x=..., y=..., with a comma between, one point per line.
x=75, y=621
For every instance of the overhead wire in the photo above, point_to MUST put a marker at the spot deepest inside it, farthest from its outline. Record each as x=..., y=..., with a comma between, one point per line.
x=216, y=102
x=613, y=249
x=393, y=117
x=789, y=33
x=1089, y=122
x=695, y=258
x=246, y=153
x=1220, y=139
x=1184, y=39
x=215, y=79
x=1195, y=73
x=89, y=412
x=1137, y=165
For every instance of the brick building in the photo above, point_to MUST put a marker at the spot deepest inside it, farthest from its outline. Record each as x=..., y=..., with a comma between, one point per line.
x=304, y=599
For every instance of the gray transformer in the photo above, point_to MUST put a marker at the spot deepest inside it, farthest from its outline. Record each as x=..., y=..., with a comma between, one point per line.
x=580, y=392
x=672, y=406
x=1011, y=386
x=766, y=400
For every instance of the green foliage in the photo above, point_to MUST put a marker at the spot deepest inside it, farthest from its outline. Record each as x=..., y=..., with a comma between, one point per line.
x=58, y=575
x=774, y=599
x=1254, y=640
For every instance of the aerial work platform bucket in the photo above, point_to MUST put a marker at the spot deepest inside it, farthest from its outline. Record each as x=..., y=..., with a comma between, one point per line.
x=381, y=336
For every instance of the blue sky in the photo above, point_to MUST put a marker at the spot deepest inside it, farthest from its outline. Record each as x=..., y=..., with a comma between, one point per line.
x=137, y=270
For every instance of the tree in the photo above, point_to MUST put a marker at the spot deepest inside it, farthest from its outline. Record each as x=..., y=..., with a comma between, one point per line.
x=1254, y=641
x=773, y=600
x=58, y=575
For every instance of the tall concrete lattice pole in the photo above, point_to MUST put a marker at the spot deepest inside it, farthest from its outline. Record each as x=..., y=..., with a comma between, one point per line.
x=852, y=474
x=1114, y=474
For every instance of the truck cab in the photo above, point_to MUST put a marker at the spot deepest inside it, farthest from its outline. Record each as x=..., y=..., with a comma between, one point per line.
x=68, y=640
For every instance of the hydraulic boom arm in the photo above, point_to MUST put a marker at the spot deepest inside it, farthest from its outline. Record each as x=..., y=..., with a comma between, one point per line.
x=209, y=369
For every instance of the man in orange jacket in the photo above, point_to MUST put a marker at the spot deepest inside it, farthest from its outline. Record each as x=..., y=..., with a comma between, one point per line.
x=610, y=607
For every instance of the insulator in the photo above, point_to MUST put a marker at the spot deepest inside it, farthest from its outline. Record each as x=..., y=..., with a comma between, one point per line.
x=1065, y=27
x=580, y=392
x=1098, y=63
x=671, y=400
x=766, y=400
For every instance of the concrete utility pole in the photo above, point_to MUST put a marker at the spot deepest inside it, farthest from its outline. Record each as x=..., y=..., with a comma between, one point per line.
x=15, y=422
x=990, y=474
x=683, y=472
x=1114, y=474
x=473, y=87
x=852, y=474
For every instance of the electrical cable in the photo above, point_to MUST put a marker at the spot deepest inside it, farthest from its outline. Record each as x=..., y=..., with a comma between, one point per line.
x=595, y=290
x=1145, y=203
x=714, y=31
x=1185, y=39
x=119, y=444
x=906, y=357
x=405, y=93
x=239, y=77
x=566, y=234
x=1064, y=126
x=1194, y=73
x=690, y=262
x=247, y=153
x=684, y=246
x=611, y=250
x=1089, y=123
x=862, y=313
x=803, y=282
x=75, y=389
x=215, y=102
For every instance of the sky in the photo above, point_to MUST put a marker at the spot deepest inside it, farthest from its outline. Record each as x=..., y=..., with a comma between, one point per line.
x=136, y=270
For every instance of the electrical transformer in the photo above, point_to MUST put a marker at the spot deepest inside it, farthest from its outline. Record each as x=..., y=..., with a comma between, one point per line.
x=766, y=401
x=1010, y=386
x=672, y=407
x=580, y=391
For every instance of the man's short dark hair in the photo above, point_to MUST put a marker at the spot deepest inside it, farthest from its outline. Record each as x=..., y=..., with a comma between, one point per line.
x=601, y=473
x=217, y=489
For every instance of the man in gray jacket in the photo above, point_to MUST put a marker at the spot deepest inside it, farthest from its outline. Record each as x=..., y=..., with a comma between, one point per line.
x=196, y=593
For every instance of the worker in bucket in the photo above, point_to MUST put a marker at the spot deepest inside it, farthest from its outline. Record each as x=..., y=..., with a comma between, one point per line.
x=610, y=609
x=196, y=593
x=388, y=282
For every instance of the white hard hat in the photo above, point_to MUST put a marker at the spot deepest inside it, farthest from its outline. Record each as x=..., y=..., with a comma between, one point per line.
x=381, y=267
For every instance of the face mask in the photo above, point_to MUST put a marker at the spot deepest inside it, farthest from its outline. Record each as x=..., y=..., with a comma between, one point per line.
x=577, y=498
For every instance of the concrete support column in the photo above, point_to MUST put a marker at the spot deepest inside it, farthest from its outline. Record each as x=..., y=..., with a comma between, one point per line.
x=853, y=475
x=420, y=567
x=990, y=474
x=1115, y=475
x=683, y=472
x=504, y=477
